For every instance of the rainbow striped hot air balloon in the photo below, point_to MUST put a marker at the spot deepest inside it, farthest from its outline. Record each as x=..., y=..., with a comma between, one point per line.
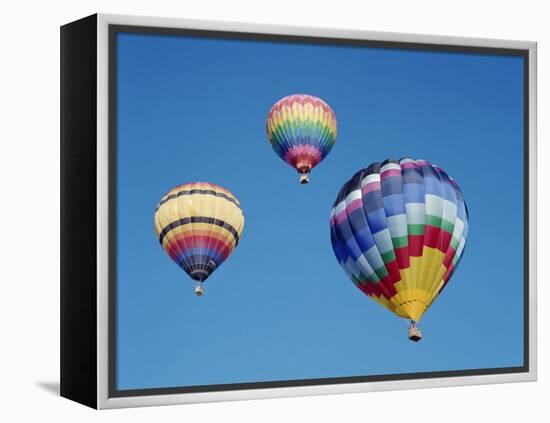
x=198, y=225
x=398, y=229
x=302, y=130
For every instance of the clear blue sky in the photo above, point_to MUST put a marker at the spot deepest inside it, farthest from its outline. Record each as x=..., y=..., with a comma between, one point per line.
x=192, y=109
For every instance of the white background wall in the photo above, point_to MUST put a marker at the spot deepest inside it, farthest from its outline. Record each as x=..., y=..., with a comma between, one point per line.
x=29, y=214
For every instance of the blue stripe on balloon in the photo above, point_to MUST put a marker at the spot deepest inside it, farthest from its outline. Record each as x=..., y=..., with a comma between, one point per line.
x=391, y=185
x=411, y=176
x=372, y=201
x=432, y=185
x=461, y=209
x=344, y=231
x=364, y=239
x=377, y=220
x=447, y=191
x=394, y=205
x=357, y=220
x=353, y=248
x=201, y=252
x=413, y=193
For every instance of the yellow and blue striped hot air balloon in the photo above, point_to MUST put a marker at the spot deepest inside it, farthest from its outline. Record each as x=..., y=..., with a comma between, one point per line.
x=302, y=130
x=198, y=225
x=399, y=229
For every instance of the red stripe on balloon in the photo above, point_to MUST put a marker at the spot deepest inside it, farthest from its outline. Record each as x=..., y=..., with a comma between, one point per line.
x=431, y=236
x=393, y=271
x=416, y=244
x=365, y=287
x=182, y=244
x=448, y=260
x=387, y=283
x=402, y=257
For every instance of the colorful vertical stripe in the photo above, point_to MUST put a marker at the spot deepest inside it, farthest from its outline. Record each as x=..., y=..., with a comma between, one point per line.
x=199, y=225
x=398, y=229
x=302, y=130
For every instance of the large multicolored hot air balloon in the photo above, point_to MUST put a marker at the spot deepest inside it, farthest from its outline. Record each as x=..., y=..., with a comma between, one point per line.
x=398, y=229
x=198, y=225
x=302, y=130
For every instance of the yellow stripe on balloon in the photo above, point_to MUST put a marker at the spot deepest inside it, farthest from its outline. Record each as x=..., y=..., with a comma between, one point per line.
x=415, y=290
x=201, y=205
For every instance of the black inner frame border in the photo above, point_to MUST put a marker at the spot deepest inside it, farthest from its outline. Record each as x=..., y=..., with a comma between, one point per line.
x=114, y=29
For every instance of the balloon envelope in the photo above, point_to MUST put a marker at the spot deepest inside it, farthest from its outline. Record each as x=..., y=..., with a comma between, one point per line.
x=198, y=225
x=302, y=130
x=398, y=229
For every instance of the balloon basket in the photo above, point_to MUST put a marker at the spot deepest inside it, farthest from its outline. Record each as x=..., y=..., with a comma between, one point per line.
x=415, y=334
x=199, y=290
x=304, y=178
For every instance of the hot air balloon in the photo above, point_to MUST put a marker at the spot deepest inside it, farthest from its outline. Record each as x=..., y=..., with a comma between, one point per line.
x=302, y=130
x=398, y=229
x=198, y=225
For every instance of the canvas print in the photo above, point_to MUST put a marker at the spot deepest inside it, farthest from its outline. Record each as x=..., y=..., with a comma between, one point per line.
x=290, y=211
